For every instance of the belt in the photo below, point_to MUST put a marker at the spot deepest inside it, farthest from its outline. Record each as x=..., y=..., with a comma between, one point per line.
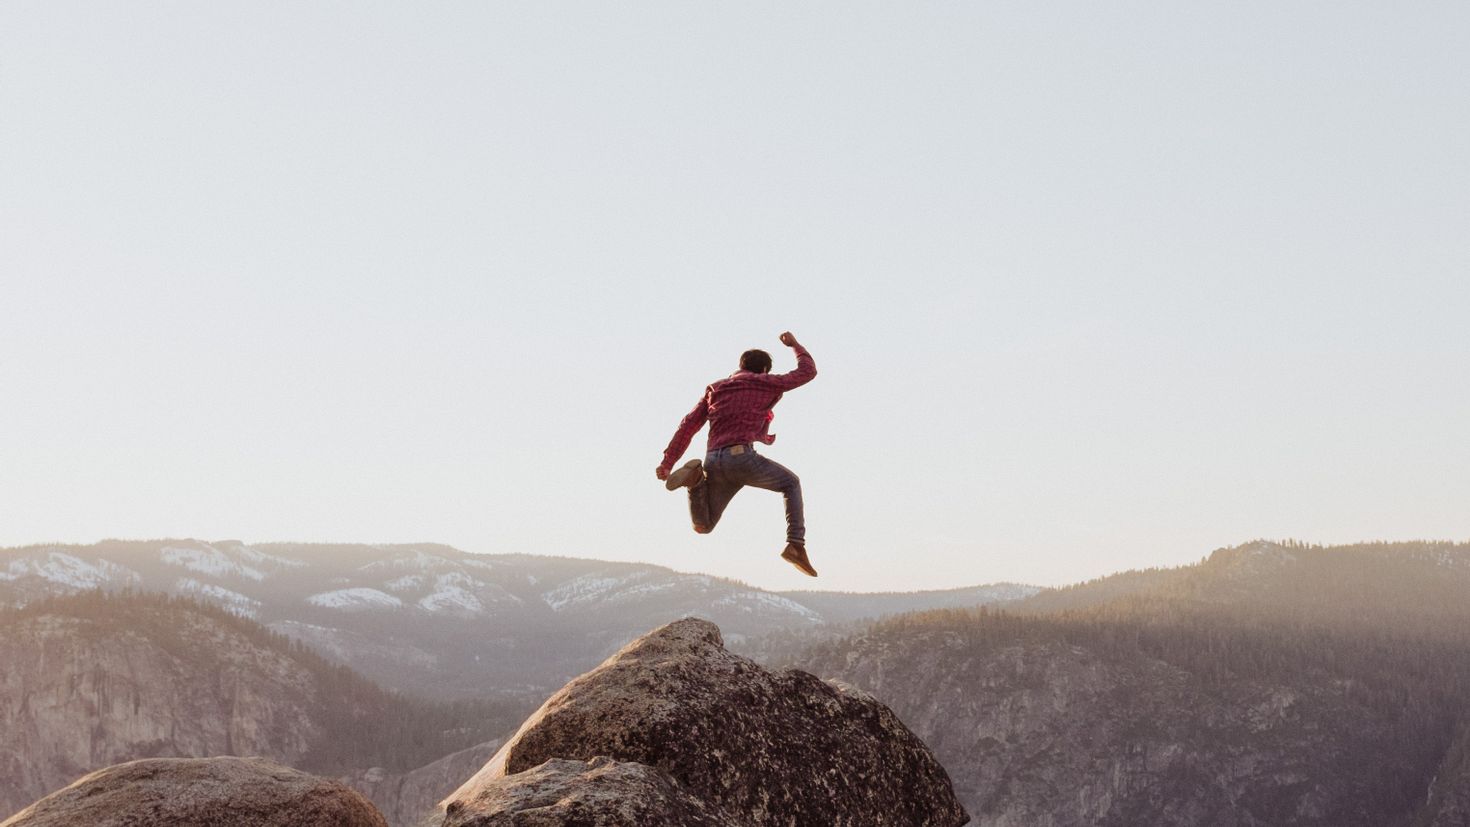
x=736, y=449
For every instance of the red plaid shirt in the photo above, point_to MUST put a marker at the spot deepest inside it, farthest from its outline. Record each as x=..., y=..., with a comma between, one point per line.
x=738, y=408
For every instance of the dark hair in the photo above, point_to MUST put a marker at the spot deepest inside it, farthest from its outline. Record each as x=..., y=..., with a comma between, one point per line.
x=756, y=361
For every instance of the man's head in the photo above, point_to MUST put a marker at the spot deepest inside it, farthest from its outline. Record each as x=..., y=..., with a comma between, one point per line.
x=755, y=361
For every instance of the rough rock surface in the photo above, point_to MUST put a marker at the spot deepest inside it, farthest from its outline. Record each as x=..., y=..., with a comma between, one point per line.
x=756, y=747
x=200, y=792
x=597, y=793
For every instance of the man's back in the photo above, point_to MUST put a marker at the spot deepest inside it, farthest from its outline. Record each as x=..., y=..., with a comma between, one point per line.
x=739, y=406
x=738, y=410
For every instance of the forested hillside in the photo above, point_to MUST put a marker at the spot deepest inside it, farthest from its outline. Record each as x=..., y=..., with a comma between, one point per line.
x=1271, y=684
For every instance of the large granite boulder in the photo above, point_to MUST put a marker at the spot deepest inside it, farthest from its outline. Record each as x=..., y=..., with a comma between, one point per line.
x=754, y=747
x=200, y=792
x=597, y=793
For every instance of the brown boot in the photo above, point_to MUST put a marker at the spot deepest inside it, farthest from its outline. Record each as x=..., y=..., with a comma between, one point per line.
x=795, y=554
x=687, y=475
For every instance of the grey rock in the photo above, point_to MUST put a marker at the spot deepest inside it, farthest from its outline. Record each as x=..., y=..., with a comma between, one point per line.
x=200, y=792
x=760, y=748
x=597, y=793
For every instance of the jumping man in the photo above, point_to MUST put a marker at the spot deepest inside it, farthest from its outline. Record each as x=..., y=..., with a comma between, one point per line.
x=738, y=409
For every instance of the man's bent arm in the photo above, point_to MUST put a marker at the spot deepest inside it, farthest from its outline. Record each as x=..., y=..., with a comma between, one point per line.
x=806, y=371
x=688, y=427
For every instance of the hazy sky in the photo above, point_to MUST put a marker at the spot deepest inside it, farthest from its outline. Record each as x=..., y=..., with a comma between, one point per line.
x=1090, y=286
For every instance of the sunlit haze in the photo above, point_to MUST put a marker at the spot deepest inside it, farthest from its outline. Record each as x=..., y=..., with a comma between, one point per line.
x=1089, y=286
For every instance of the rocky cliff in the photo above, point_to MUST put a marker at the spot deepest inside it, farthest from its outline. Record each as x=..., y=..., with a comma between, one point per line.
x=674, y=729
x=78, y=693
x=94, y=680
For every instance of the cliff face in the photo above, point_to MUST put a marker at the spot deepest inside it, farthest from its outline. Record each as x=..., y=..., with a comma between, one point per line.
x=1055, y=735
x=79, y=693
x=1101, y=726
x=92, y=680
x=695, y=733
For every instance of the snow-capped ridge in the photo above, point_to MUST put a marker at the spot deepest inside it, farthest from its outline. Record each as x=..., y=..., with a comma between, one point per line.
x=232, y=601
x=359, y=597
x=69, y=570
x=208, y=560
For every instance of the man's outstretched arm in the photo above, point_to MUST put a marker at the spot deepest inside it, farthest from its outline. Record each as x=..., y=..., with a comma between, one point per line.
x=806, y=368
x=688, y=427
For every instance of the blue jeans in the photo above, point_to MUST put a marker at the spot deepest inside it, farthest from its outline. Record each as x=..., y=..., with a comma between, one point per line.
x=726, y=473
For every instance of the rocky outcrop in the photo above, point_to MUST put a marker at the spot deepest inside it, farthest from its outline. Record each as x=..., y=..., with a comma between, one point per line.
x=708, y=728
x=200, y=792
x=597, y=793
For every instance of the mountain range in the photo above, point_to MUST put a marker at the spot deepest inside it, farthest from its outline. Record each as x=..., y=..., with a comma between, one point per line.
x=1269, y=684
x=435, y=621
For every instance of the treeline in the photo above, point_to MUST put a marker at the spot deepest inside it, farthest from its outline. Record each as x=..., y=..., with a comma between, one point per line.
x=364, y=725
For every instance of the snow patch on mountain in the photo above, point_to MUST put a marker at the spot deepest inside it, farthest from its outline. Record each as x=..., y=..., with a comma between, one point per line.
x=208, y=560
x=262, y=558
x=639, y=591
x=232, y=601
x=451, y=599
x=69, y=570
x=406, y=583
x=460, y=593
x=585, y=589
x=415, y=559
x=355, y=598
x=764, y=601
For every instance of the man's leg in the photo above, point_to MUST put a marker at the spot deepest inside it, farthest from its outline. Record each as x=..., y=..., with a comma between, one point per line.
x=708, y=499
x=773, y=476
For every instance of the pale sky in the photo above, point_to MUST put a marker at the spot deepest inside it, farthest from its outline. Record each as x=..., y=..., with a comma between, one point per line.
x=1091, y=286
